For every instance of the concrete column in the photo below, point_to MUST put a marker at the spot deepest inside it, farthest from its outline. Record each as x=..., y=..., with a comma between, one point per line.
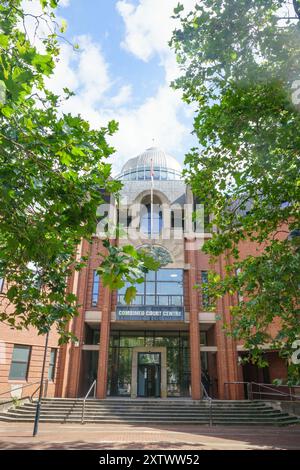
x=193, y=296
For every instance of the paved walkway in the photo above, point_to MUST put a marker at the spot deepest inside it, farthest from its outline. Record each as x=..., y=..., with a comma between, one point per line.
x=122, y=436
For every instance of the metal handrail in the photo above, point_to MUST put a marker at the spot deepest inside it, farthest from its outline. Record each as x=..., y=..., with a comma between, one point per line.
x=27, y=397
x=270, y=387
x=45, y=387
x=85, y=398
x=278, y=392
x=210, y=400
x=17, y=388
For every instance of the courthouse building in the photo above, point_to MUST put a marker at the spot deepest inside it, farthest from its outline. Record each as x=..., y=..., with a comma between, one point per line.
x=167, y=342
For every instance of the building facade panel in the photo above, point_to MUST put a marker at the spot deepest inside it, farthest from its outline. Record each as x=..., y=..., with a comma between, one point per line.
x=149, y=351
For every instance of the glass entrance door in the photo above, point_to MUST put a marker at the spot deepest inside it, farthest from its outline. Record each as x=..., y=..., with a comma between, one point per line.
x=149, y=373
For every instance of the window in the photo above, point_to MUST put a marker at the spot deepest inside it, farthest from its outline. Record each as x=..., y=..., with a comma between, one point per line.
x=203, y=338
x=95, y=288
x=205, y=298
x=201, y=216
x=164, y=287
x=91, y=335
x=177, y=219
x=52, y=363
x=1, y=284
x=20, y=362
x=156, y=219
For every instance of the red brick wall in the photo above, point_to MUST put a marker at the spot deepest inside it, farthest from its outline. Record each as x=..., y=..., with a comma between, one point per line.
x=9, y=337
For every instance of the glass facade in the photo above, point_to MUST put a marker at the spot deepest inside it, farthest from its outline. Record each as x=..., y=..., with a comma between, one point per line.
x=163, y=287
x=89, y=370
x=149, y=374
x=144, y=173
x=120, y=359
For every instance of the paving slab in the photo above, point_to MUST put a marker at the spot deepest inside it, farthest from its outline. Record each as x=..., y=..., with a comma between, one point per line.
x=123, y=436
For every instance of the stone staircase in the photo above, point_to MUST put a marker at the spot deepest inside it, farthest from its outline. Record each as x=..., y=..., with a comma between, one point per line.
x=146, y=412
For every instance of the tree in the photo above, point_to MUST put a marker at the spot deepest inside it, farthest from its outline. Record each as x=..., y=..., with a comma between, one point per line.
x=240, y=64
x=53, y=173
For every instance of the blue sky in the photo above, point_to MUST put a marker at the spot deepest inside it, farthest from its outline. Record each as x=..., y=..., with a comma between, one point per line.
x=123, y=71
x=104, y=24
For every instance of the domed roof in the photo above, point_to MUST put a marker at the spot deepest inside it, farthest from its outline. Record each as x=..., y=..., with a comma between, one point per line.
x=155, y=154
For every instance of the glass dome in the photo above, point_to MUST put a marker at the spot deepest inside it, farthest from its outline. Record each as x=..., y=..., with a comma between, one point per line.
x=165, y=167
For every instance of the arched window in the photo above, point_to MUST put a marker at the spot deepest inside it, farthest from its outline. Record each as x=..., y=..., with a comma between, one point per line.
x=155, y=214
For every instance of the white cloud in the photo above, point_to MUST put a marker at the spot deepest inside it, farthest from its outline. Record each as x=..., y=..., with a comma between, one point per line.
x=157, y=118
x=64, y=3
x=88, y=74
x=123, y=96
x=101, y=97
x=84, y=71
x=92, y=69
x=149, y=26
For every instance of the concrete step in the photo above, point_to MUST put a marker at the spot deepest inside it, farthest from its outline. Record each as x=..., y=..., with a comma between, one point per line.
x=144, y=421
x=275, y=414
x=152, y=402
x=157, y=402
x=142, y=408
x=147, y=409
x=151, y=412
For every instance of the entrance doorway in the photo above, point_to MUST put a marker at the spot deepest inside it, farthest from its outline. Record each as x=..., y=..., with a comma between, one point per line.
x=149, y=374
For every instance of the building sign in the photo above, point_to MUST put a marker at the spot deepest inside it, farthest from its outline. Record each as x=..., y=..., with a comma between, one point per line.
x=155, y=312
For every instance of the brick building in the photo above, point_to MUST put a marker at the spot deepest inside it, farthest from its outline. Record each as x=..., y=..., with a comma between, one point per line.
x=167, y=342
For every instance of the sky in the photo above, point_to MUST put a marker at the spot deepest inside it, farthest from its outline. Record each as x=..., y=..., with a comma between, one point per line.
x=123, y=71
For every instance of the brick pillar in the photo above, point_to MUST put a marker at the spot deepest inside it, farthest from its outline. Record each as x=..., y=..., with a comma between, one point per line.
x=227, y=353
x=194, y=326
x=75, y=351
x=104, y=345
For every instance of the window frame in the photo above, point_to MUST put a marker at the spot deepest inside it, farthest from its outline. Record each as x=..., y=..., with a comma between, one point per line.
x=205, y=301
x=154, y=293
x=52, y=366
x=95, y=289
x=21, y=346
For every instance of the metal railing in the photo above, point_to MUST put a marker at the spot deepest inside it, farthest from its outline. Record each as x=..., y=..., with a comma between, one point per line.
x=26, y=386
x=160, y=300
x=262, y=391
x=93, y=386
x=210, y=401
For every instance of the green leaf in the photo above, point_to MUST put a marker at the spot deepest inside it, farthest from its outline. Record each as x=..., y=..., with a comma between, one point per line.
x=7, y=111
x=179, y=8
x=4, y=41
x=65, y=158
x=113, y=126
x=130, y=250
x=43, y=63
x=63, y=26
x=130, y=294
